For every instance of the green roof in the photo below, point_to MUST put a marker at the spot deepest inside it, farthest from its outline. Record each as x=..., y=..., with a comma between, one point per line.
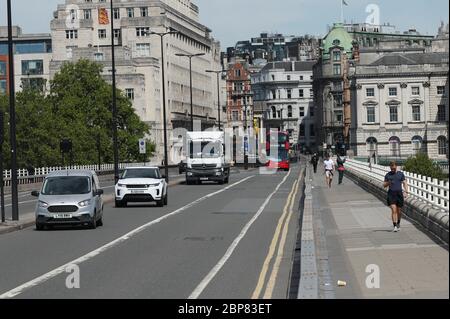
x=338, y=36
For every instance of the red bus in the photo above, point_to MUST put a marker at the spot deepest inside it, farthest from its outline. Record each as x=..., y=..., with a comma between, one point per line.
x=278, y=141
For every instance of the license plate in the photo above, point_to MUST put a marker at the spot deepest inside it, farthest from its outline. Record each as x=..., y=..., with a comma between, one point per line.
x=204, y=178
x=137, y=192
x=62, y=216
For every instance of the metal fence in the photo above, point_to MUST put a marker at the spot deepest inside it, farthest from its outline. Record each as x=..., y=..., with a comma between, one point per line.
x=24, y=176
x=426, y=189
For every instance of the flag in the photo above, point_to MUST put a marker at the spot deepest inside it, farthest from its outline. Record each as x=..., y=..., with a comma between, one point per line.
x=103, y=16
x=344, y=3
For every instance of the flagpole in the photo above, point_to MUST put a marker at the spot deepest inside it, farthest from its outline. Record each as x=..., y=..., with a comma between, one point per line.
x=342, y=11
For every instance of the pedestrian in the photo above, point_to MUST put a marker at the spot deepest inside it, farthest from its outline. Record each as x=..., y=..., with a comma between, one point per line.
x=329, y=170
x=315, y=162
x=31, y=173
x=341, y=168
x=398, y=191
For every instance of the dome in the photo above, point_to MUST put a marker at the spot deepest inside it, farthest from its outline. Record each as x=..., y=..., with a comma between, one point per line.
x=338, y=36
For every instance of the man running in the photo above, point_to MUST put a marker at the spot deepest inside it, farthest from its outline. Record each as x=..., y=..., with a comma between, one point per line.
x=396, y=194
x=329, y=170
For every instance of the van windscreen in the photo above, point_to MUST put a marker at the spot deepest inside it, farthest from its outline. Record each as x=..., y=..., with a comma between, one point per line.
x=67, y=185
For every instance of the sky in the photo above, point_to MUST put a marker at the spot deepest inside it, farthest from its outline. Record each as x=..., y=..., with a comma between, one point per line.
x=235, y=20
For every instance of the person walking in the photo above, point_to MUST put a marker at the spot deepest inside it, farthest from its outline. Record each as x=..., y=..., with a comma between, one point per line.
x=315, y=162
x=341, y=168
x=329, y=170
x=398, y=191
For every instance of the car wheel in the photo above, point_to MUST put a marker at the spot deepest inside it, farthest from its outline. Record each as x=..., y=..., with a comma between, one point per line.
x=100, y=222
x=39, y=227
x=166, y=200
x=118, y=204
x=160, y=203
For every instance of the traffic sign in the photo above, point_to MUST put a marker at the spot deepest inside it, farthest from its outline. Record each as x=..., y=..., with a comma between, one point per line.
x=142, y=146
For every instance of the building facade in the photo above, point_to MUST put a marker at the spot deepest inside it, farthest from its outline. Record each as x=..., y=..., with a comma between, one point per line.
x=32, y=56
x=81, y=29
x=400, y=106
x=284, y=92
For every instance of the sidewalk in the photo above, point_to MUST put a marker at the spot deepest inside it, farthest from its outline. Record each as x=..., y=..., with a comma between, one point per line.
x=354, y=229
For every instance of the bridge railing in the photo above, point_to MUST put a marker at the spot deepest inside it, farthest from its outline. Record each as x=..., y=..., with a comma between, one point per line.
x=426, y=189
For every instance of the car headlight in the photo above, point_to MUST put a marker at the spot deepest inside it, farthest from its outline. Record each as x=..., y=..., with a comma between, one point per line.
x=121, y=185
x=43, y=204
x=154, y=185
x=84, y=203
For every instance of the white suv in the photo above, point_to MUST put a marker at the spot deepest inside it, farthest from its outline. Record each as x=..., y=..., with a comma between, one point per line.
x=141, y=184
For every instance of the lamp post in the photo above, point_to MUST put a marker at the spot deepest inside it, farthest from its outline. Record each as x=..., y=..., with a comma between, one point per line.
x=246, y=139
x=12, y=121
x=166, y=155
x=190, y=56
x=114, y=100
x=218, y=73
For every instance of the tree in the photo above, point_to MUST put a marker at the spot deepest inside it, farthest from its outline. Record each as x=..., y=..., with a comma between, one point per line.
x=421, y=164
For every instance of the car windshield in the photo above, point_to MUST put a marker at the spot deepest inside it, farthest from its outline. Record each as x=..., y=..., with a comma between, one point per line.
x=67, y=185
x=142, y=173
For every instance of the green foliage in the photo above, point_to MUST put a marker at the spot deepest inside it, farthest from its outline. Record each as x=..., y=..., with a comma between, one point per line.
x=78, y=107
x=421, y=164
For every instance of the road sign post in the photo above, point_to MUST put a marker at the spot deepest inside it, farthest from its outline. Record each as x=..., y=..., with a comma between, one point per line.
x=143, y=148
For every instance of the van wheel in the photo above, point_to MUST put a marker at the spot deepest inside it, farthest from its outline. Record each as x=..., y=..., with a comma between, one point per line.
x=100, y=222
x=93, y=223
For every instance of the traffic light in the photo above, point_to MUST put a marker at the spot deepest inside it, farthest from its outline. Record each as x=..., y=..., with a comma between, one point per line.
x=66, y=146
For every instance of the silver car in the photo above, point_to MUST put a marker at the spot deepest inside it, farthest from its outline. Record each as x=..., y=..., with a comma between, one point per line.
x=70, y=197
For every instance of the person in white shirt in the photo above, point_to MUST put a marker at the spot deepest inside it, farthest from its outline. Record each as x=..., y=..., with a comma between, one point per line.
x=329, y=170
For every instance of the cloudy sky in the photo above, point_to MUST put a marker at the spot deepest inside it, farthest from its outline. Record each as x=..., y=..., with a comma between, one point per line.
x=233, y=20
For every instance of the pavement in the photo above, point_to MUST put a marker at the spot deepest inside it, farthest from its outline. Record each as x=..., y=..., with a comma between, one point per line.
x=353, y=233
x=211, y=241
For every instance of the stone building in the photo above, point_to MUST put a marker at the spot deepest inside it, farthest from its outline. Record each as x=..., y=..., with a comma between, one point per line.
x=283, y=91
x=81, y=29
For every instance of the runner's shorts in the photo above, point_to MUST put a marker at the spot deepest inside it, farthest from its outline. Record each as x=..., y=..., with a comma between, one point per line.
x=329, y=174
x=396, y=198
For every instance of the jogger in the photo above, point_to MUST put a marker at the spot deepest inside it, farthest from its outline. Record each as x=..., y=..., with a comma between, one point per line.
x=398, y=191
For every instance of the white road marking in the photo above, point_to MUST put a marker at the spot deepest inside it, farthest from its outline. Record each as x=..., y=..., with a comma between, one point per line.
x=39, y=280
x=205, y=282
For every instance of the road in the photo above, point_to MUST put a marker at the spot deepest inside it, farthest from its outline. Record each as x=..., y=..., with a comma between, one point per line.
x=211, y=241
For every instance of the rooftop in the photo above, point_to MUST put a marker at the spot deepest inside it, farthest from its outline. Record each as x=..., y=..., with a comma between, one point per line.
x=412, y=59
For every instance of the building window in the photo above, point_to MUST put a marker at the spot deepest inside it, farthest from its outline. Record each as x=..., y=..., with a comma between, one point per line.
x=142, y=50
x=312, y=130
x=311, y=112
x=392, y=91
x=337, y=56
x=129, y=93
x=394, y=143
x=372, y=146
x=87, y=13
x=416, y=113
x=289, y=94
x=33, y=67
x=235, y=116
x=274, y=95
x=142, y=31
x=144, y=12
x=301, y=93
x=99, y=56
x=302, y=130
x=339, y=117
x=288, y=77
x=290, y=111
x=71, y=34
x=337, y=69
x=415, y=90
x=442, y=145
x=370, y=92
x=393, y=114
x=273, y=77
x=416, y=144
x=102, y=34
x=116, y=13
x=441, y=90
x=302, y=111
x=301, y=77
x=237, y=73
x=274, y=112
x=117, y=34
x=35, y=84
x=441, y=116
x=130, y=12
x=2, y=86
x=2, y=68
x=370, y=115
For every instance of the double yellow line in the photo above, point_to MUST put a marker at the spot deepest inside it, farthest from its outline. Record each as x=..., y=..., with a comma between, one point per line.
x=279, y=237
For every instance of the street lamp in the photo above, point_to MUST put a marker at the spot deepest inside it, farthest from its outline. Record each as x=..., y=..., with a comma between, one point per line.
x=12, y=121
x=190, y=56
x=166, y=155
x=114, y=100
x=218, y=73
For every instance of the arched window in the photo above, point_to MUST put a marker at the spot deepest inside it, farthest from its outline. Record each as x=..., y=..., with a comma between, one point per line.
x=417, y=143
x=394, y=143
x=274, y=112
x=442, y=145
x=372, y=146
x=290, y=111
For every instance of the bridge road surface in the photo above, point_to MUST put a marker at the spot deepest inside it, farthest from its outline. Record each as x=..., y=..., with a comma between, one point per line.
x=211, y=241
